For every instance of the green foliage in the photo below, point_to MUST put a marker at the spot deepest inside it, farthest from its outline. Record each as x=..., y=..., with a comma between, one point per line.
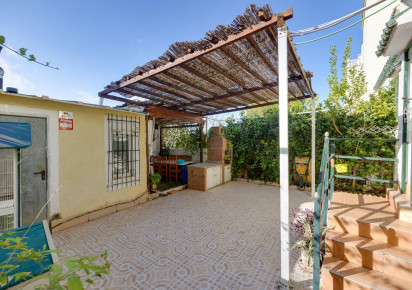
x=155, y=178
x=68, y=277
x=58, y=277
x=255, y=140
x=255, y=136
x=22, y=52
x=182, y=138
x=19, y=253
x=346, y=90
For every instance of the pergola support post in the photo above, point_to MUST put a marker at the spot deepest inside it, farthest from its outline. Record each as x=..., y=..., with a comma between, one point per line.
x=284, y=154
x=201, y=142
x=161, y=138
x=147, y=154
x=313, y=157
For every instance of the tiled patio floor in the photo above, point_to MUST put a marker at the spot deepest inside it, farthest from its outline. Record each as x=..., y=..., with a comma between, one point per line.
x=226, y=238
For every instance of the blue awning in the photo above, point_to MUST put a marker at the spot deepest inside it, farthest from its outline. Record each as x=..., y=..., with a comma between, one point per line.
x=15, y=135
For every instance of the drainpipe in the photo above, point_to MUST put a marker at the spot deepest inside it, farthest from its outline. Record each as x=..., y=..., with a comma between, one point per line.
x=406, y=80
x=405, y=120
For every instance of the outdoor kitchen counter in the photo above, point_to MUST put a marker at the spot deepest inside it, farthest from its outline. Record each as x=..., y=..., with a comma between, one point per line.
x=205, y=164
x=203, y=176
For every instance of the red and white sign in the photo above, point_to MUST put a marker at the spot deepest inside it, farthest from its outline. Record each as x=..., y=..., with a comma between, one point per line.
x=65, y=120
x=65, y=124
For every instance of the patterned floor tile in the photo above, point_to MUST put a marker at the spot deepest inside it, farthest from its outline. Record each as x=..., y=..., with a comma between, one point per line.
x=226, y=238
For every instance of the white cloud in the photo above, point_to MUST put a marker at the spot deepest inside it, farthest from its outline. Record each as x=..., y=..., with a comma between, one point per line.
x=86, y=97
x=13, y=78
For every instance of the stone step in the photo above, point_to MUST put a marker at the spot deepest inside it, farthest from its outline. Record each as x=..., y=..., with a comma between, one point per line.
x=372, y=254
x=339, y=274
x=401, y=204
x=377, y=226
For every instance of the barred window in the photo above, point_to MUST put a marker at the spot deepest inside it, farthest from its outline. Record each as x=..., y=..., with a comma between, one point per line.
x=123, y=154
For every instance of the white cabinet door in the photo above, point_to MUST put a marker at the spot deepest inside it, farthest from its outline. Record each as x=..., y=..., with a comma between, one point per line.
x=218, y=175
x=210, y=181
x=213, y=176
x=228, y=173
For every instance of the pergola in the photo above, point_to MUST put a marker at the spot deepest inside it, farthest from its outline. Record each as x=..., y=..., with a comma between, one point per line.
x=248, y=64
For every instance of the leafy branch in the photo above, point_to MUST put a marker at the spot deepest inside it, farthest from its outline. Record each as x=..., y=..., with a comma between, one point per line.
x=72, y=275
x=23, y=53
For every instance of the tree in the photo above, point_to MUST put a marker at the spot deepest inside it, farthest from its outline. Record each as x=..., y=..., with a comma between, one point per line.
x=345, y=91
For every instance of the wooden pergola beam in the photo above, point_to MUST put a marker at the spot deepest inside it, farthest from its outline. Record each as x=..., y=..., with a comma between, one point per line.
x=178, y=78
x=287, y=14
x=223, y=72
x=163, y=113
x=238, y=93
x=154, y=96
x=156, y=87
x=200, y=110
x=257, y=106
x=202, y=76
x=126, y=100
x=173, y=102
x=299, y=64
x=273, y=37
x=257, y=49
x=183, y=90
x=239, y=62
x=180, y=126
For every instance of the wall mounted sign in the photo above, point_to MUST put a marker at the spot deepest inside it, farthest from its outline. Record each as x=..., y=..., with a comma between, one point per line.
x=65, y=120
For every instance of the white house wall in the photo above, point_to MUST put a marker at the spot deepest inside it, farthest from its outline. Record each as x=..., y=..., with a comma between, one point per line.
x=372, y=31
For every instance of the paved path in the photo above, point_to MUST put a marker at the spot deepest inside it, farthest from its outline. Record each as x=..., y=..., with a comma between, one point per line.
x=226, y=238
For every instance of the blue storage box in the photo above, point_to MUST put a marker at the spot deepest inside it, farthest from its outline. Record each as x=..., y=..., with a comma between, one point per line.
x=180, y=161
x=184, y=174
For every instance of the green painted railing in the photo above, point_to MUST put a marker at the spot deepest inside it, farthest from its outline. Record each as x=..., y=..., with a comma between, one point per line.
x=325, y=190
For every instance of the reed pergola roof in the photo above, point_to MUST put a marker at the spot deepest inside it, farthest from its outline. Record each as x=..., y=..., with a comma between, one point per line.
x=234, y=67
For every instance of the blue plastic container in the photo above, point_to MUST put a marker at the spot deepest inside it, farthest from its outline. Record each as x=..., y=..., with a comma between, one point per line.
x=180, y=161
x=184, y=174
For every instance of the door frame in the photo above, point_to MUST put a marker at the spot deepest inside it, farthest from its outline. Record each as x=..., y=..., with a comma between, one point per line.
x=52, y=152
x=7, y=207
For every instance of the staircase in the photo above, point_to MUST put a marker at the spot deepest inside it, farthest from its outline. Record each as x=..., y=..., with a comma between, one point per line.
x=368, y=246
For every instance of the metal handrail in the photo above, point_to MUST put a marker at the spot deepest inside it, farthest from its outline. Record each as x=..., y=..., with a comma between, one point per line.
x=325, y=191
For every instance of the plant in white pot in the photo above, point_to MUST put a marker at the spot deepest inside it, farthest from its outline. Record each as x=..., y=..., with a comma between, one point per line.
x=303, y=228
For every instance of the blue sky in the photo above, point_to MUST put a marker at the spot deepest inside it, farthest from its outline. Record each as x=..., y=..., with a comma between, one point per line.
x=95, y=42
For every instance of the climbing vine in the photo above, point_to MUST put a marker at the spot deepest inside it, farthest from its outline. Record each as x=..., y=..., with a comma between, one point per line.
x=23, y=53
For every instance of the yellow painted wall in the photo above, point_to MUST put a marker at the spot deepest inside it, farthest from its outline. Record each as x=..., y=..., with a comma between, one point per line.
x=82, y=165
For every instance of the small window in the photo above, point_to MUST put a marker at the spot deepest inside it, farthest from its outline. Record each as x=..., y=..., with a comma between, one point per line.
x=123, y=154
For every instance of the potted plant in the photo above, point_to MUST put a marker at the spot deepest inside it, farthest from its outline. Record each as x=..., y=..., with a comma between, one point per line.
x=154, y=179
x=303, y=228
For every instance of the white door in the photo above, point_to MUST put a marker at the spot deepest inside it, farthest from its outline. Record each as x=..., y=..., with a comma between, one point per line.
x=8, y=189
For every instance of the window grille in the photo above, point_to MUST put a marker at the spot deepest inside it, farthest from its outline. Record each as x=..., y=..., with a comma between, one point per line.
x=123, y=154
